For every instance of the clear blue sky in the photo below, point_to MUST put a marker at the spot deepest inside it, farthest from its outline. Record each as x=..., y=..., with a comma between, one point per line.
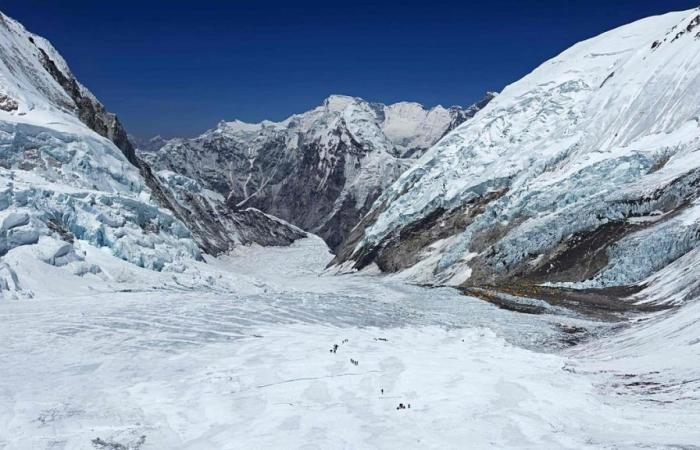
x=178, y=67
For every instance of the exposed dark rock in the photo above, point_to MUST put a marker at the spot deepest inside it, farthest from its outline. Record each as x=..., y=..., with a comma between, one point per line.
x=607, y=304
x=612, y=74
x=367, y=254
x=90, y=111
x=218, y=228
x=403, y=249
x=576, y=258
x=61, y=230
x=7, y=103
x=100, y=443
x=148, y=145
x=339, y=225
x=582, y=256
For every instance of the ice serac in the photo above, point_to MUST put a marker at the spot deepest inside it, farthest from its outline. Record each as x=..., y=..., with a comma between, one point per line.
x=583, y=174
x=70, y=180
x=320, y=170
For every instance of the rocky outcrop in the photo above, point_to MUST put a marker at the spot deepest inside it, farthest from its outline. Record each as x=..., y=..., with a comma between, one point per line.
x=88, y=109
x=148, y=145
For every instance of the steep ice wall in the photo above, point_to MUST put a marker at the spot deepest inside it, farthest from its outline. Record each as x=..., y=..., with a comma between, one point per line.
x=585, y=171
x=64, y=182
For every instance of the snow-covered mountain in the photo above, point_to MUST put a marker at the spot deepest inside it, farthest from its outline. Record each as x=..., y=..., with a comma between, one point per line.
x=583, y=174
x=320, y=170
x=71, y=182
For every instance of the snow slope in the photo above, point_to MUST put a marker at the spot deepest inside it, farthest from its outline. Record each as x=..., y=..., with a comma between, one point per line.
x=584, y=173
x=320, y=170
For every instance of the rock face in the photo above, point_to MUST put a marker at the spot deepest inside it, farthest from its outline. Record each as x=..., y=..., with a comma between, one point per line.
x=218, y=228
x=584, y=174
x=320, y=170
x=87, y=108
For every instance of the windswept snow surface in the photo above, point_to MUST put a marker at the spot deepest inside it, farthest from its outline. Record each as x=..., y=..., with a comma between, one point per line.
x=250, y=366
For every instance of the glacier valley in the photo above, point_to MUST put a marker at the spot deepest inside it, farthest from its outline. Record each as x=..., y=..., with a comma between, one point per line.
x=520, y=273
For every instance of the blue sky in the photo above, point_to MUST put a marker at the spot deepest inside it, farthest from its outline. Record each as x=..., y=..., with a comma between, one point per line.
x=178, y=67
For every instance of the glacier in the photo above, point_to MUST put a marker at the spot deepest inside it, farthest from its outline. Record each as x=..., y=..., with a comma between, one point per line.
x=62, y=184
x=250, y=366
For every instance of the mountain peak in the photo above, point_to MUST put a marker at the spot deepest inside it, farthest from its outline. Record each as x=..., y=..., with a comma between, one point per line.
x=337, y=102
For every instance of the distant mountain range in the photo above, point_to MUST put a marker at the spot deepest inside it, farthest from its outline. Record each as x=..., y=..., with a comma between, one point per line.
x=320, y=170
